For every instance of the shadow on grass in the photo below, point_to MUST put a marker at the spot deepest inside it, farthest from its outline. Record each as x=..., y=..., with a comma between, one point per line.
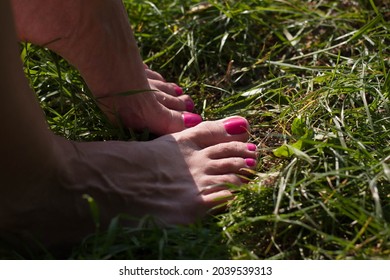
x=148, y=241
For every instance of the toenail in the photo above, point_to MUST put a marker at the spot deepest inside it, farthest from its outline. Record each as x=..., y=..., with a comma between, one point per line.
x=251, y=147
x=235, y=126
x=250, y=162
x=191, y=120
x=190, y=106
x=178, y=90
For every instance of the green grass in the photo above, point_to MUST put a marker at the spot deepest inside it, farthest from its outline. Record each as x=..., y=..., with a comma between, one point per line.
x=313, y=79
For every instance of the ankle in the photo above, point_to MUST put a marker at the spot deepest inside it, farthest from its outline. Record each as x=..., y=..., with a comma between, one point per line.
x=32, y=20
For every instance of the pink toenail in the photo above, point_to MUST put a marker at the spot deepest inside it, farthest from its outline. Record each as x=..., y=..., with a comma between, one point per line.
x=250, y=162
x=190, y=106
x=235, y=126
x=178, y=90
x=191, y=120
x=251, y=147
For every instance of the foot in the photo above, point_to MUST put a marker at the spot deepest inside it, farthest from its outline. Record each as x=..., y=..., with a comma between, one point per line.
x=154, y=110
x=176, y=178
x=95, y=37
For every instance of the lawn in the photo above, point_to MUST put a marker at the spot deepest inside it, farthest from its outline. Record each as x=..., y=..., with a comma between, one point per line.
x=312, y=77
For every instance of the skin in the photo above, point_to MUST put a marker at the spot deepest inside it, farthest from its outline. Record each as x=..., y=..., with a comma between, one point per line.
x=44, y=176
x=104, y=51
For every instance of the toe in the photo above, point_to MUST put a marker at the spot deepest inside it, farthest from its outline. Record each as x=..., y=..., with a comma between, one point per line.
x=218, y=198
x=168, y=88
x=150, y=74
x=181, y=103
x=212, y=133
x=172, y=121
x=220, y=182
x=231, y=149
x=234, y=165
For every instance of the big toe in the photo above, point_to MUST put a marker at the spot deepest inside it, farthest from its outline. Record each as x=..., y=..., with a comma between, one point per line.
x=210, y=133
x=171, y=121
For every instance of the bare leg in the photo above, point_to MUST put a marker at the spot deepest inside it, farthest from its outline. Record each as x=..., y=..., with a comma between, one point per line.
x=95, y=36
x=44, y=176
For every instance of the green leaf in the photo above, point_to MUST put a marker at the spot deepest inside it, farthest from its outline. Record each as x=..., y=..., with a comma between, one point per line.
x=301, y=133
x=298, y=127
x=127, y=93
x=283, y=151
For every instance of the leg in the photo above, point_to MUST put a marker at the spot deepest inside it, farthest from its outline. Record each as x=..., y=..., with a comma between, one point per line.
x=44, y=177
x=25, y=136
x=95, y=36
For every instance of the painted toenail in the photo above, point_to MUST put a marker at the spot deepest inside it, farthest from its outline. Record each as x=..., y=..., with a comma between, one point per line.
x=250, y=162
x=251, y=147
x=190, y=106
x=235, y=126
x=178, y=90
x=191, y=120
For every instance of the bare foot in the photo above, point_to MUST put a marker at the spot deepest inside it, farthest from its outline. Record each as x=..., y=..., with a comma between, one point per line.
x=176, y=178
x=95, y=37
